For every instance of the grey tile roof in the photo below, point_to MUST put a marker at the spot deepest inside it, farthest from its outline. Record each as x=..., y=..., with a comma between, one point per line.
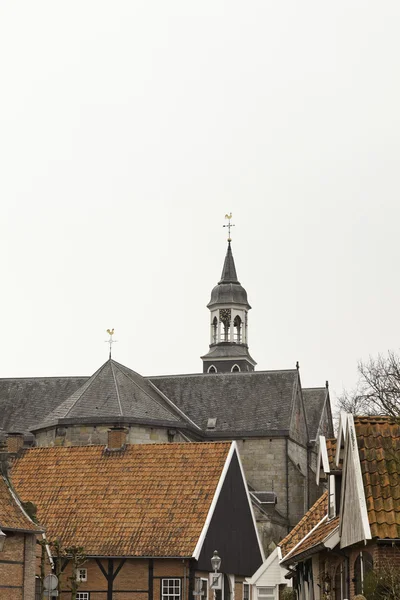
x=25, y=402
x=314, y=400
x=229, y=269
x=228, y=290
x=256, y=401
x=114, y=391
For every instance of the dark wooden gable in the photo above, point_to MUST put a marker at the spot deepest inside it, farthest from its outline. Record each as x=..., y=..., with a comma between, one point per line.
x=232, y=530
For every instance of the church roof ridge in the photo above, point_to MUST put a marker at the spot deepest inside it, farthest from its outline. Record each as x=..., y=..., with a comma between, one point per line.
x=219, y=374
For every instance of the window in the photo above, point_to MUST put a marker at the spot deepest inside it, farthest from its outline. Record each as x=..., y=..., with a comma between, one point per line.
x=331, y=492
x=246, y=591
x=212, y=369
x=38, y=589
x=204, y=589
x=235, y=369
x=81, y=574
x=266, y=593
x=341, y=582
x=215, y=330
x=237, y=325
x=362, y=565
x=82, y=596
x=171, y=589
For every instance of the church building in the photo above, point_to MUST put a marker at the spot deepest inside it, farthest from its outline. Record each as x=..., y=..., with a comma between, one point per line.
x=274, y=420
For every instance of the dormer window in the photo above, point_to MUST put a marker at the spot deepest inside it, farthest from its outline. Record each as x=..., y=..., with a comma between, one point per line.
x=331, y=497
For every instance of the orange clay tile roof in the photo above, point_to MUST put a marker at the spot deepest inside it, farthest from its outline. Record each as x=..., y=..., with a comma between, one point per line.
x=331, y=449
x=379, y=450
x=146, y=500
x=315, y=538
x=12, y=516
x=304, y=526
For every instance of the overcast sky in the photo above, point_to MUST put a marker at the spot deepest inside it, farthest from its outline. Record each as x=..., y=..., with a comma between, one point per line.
x=129, y=129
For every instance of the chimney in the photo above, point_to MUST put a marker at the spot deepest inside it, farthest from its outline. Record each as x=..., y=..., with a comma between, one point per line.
x=3, y=458
x=15, y=442
x=116, y=438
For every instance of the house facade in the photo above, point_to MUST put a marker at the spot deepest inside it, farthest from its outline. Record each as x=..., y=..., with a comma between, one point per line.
x=148, y=519
x=17, y=541
x=349, y=542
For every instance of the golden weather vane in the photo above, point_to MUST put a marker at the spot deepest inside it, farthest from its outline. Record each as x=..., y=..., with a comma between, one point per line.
x=229, y=225
x=110, y=341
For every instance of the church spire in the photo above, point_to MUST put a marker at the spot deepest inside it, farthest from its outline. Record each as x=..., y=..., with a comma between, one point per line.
x=229, y=269
x=229, y=308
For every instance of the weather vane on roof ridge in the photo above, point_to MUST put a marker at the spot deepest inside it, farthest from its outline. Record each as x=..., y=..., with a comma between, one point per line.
x=229, y=225
x=110, y=341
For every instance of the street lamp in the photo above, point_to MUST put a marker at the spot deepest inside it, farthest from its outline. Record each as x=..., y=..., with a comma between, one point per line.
x=215, y=562
x=2, y=540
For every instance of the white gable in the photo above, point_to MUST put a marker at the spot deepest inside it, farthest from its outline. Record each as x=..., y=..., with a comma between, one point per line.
x=270, y=573
x=354, y=525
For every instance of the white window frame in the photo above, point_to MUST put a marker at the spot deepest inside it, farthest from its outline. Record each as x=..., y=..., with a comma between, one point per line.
x=204, y=596
x=246, y=586
x=168, y=596
x=212, y=367
x=78, y=575
x=331, y=497
x=266, y=596
x=82, y=595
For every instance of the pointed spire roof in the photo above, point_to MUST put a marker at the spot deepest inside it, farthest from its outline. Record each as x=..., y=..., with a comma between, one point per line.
x=229, y=290
x=229, y=269
x=113, y=392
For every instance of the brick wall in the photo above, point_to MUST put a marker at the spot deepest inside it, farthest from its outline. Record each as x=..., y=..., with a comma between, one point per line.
x=17, y=567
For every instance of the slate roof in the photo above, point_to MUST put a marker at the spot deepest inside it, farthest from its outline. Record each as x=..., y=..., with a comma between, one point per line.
x=114, y=391
x=306, y=524
x=147, y=500
x=241, y=402
x=314, y=400
x=378, y=441
x=229, y=350
x=228, y=290
x=12, y=515
x=25, y=402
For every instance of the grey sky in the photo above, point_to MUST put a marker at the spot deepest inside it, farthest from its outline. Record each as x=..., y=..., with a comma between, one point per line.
x=129, y=129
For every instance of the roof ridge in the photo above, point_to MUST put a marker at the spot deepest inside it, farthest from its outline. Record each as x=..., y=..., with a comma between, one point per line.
x=116, y=388
x=88, y=384
x=214, y=375
x=140, y=387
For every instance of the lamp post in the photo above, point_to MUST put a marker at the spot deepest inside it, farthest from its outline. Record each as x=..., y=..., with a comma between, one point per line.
x=215, y=564
x=2, y=540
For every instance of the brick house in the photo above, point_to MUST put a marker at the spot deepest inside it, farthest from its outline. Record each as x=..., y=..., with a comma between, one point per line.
x=354, y=527
x=148, y=517
x=17, y=542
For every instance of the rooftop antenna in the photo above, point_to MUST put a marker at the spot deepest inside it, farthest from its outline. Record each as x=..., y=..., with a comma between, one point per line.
x=229, y=225
x=110, y=341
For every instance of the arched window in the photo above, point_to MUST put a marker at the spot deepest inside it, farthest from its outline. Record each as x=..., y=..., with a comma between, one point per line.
x=215, y=330
x=340, y=585
x=362, y=565
x=211, y=369
x=235, y=369
x=237, y=325
x=225, y=318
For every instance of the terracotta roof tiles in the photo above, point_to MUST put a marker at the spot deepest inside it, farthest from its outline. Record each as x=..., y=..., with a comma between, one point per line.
x=316, y=538
x=306, y=524
x=147, y=500
x=379, y=450
x=12, y=515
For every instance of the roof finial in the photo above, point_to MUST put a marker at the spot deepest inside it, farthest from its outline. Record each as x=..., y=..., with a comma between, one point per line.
x=110, y=341
x=229, y=225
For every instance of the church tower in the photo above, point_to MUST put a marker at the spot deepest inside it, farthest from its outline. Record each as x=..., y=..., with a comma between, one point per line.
x=229, y=351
